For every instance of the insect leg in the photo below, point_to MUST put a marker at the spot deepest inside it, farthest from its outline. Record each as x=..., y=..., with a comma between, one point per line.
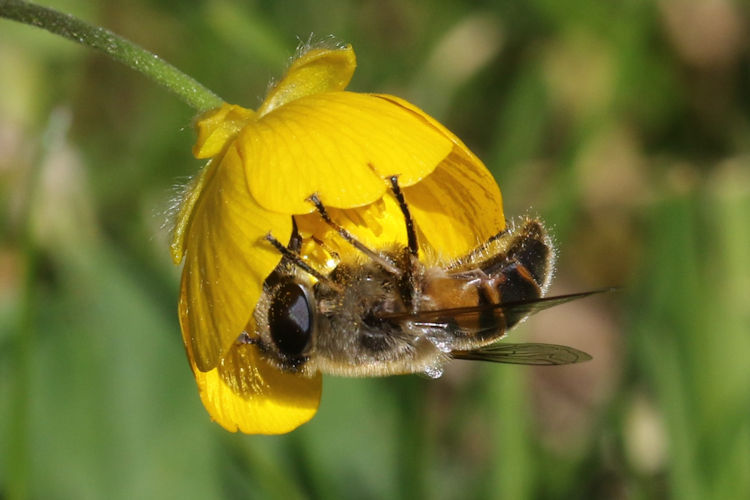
x=381, y=260
x=295, y=259
x=408, y=283
x=411, y=234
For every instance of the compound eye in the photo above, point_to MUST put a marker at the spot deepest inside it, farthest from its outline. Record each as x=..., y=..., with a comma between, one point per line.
x=290, y=319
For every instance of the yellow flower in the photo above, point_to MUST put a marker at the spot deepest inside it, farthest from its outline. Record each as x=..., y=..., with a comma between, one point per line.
x=309, y=136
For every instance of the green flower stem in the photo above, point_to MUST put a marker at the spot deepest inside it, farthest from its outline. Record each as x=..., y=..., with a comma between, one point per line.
x=189, y=90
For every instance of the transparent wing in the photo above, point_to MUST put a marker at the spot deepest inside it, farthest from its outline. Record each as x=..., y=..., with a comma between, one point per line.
x=519, y=308
x=525, y=354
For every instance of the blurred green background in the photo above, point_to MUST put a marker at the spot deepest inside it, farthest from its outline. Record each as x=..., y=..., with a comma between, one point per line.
x=624, y=124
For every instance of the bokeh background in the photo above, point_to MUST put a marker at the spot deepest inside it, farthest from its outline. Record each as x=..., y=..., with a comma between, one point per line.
x=624, y=124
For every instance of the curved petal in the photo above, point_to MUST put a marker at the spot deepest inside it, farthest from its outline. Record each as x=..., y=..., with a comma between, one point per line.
x=245, y=393
x=315, y=71
x=226, y=261
x=339, y=145
x=217, y=127
x=457, y=207
x=187, y=207
x=433, y=123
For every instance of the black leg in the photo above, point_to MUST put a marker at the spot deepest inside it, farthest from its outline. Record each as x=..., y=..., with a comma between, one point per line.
x=409, y=283
x=411, y=234
x=295, y=259
x=383, y=261
x=295, y=241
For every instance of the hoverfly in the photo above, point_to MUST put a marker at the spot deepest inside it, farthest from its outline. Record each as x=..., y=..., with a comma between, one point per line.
x=391, y=314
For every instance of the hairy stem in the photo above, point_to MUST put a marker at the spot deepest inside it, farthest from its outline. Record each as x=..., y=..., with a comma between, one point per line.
x=189, y=90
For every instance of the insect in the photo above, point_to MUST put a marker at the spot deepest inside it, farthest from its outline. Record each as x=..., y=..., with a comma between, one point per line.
x=388, y=313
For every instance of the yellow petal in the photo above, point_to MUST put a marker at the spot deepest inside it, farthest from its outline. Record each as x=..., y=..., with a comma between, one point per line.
x=187, y=208
x=457, y=207
x=397, y=101
x=226, y=261
x=340, y=145
x=245, y=393
x=217, y=127
x=315, y=71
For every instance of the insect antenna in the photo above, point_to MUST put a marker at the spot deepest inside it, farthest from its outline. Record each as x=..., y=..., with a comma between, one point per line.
x=381, y=260
x=295, y=259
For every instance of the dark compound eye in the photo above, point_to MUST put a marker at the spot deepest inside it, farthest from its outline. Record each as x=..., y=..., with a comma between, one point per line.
x=290, y=319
